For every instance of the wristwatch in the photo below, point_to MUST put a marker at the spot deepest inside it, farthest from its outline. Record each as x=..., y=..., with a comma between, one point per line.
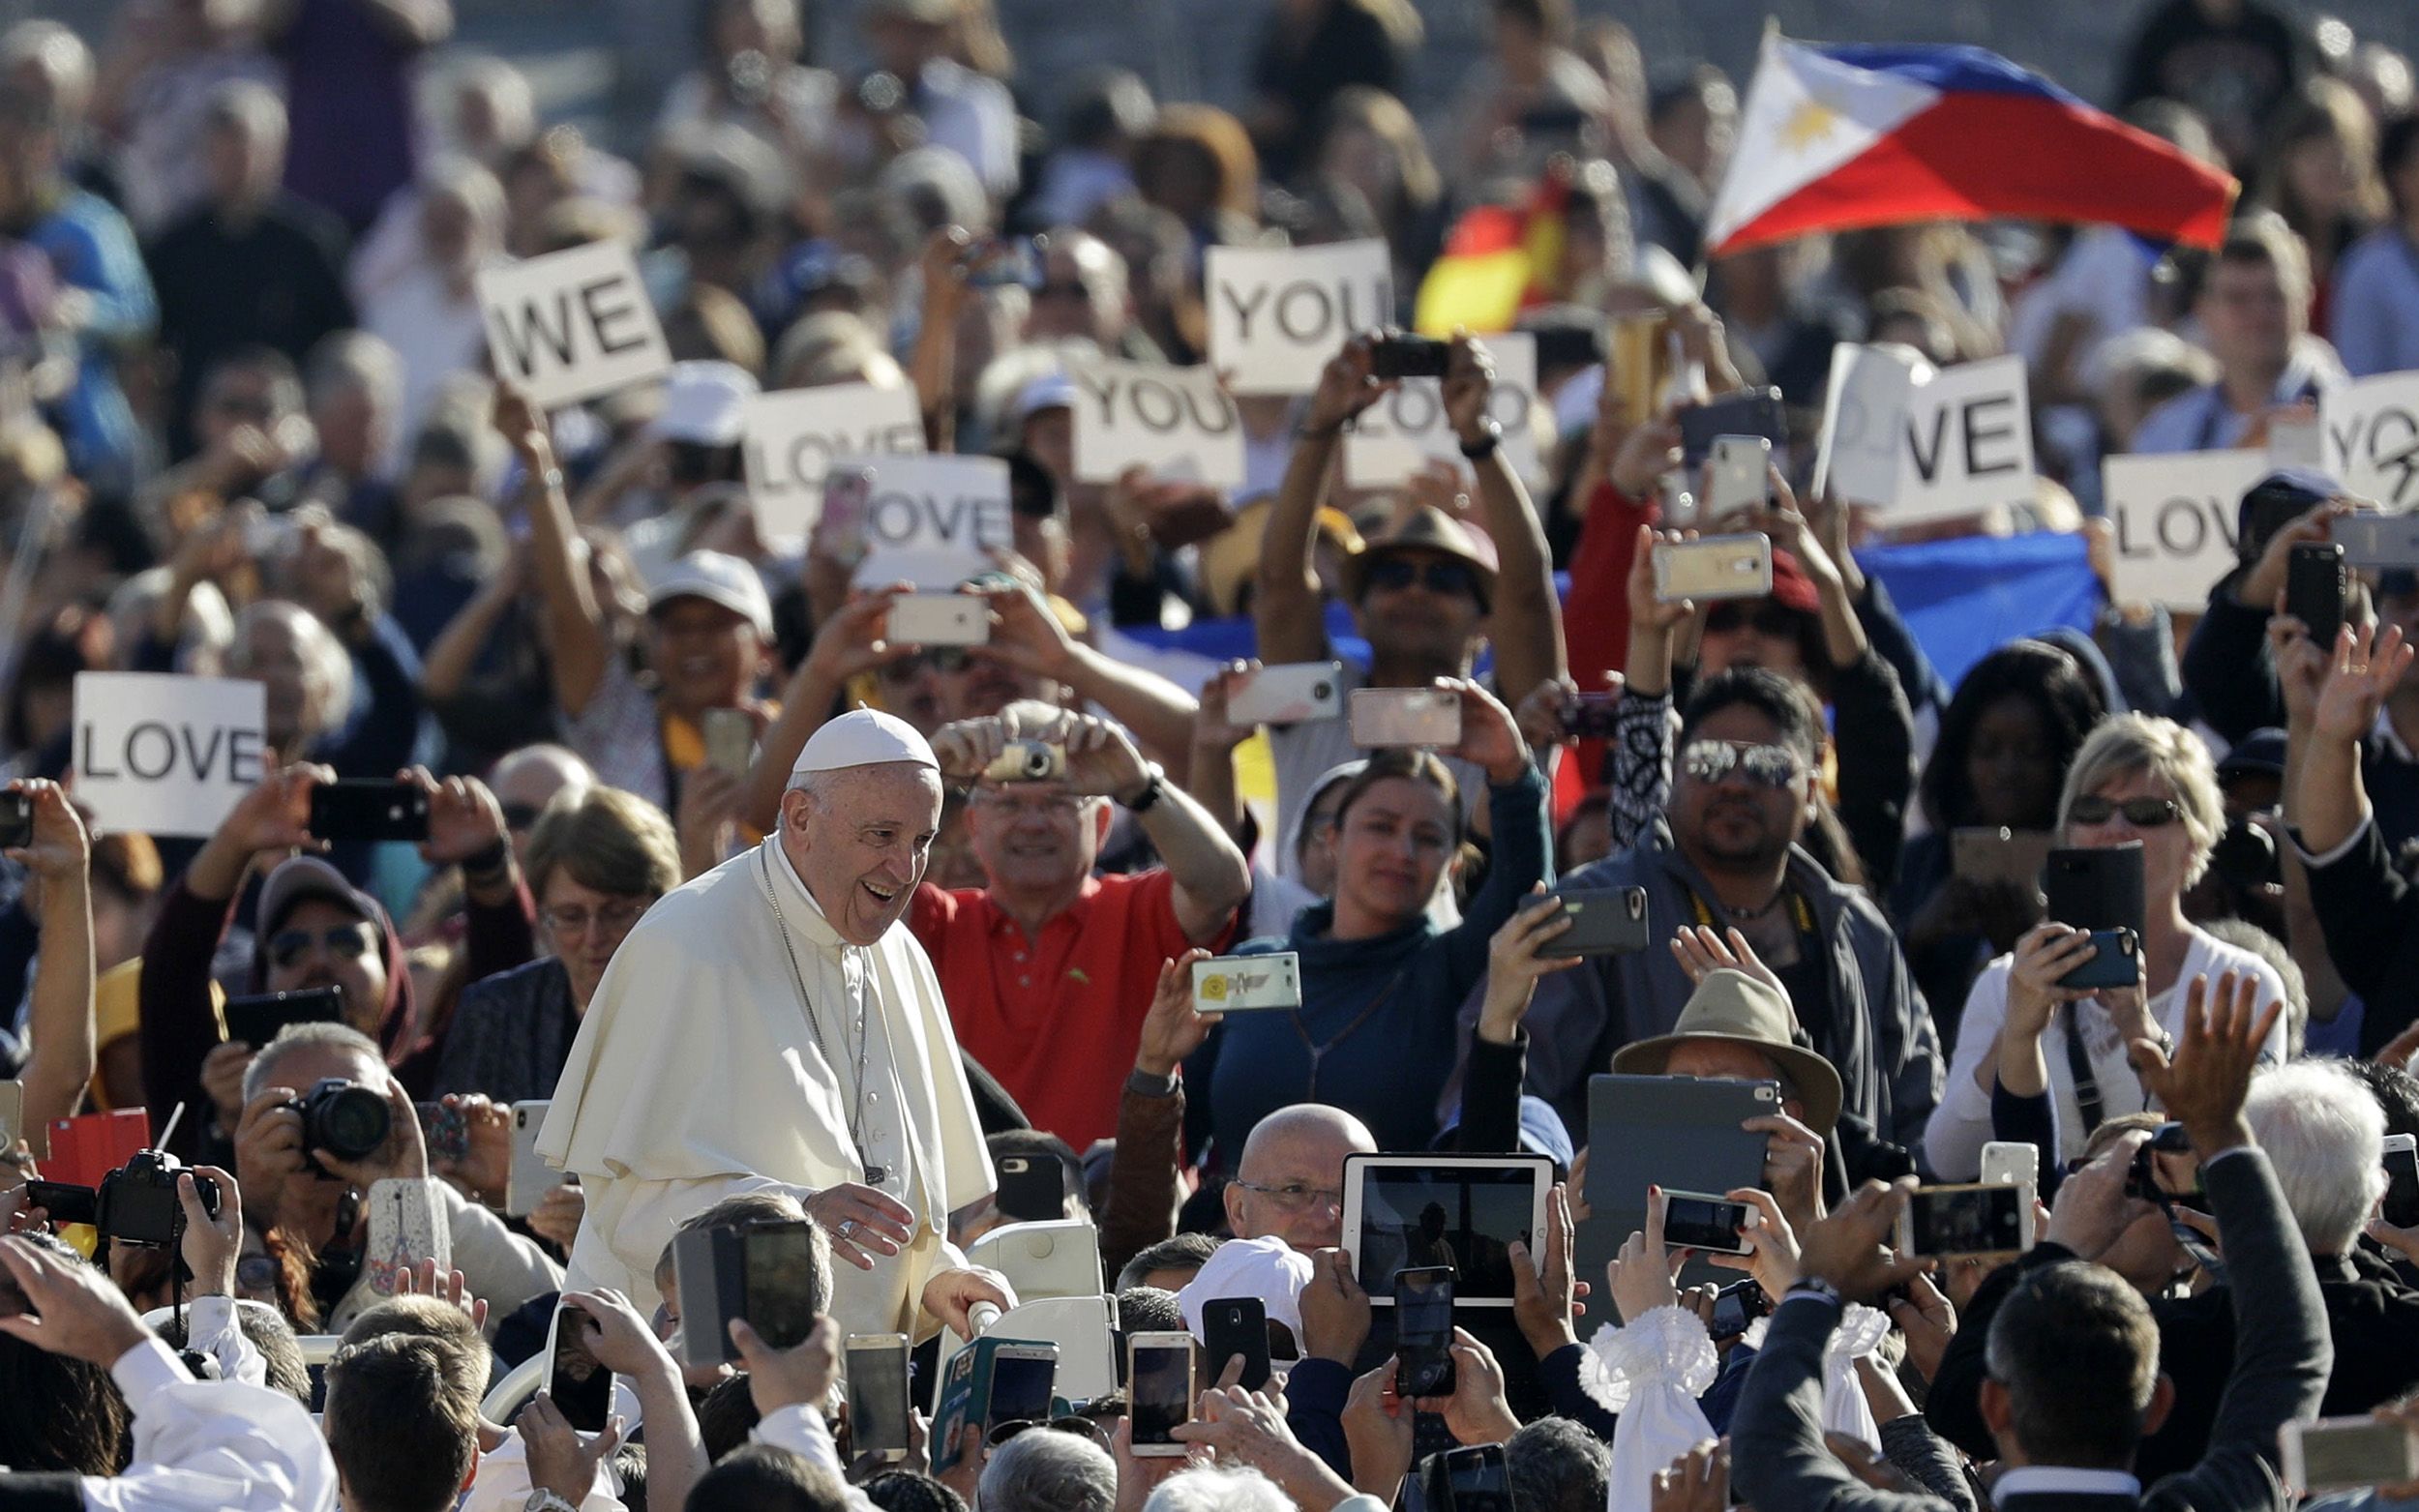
x=1490, y=436
x=1153, y=786
x=543, y=1500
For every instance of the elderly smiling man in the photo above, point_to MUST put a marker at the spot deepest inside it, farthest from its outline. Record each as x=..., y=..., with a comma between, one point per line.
x=771, y=1025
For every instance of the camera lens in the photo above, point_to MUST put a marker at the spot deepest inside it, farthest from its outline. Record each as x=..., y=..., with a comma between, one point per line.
x=347, y=1122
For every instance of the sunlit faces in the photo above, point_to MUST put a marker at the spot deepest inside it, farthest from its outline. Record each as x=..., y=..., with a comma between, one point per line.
x=859, y=839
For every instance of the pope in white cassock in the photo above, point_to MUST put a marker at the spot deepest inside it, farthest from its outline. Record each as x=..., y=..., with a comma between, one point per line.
x=774, y=1024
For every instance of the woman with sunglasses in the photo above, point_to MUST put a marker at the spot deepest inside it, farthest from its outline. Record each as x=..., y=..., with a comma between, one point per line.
x=2136, y=779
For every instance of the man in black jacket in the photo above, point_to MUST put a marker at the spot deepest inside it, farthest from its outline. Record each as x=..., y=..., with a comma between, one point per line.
x=2073, y=1378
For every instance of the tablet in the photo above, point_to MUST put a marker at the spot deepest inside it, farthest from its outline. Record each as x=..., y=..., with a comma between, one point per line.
x=1406, y=1212
x=1679, y=1133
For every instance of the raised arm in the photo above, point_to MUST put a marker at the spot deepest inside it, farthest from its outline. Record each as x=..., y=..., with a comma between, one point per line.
x=1028, y=636
x=2328, y=804
x=846, y=643
x=454, y=655
x=64, y=1035
x=1285, y=606
x=579, y=641
x=1526, y=619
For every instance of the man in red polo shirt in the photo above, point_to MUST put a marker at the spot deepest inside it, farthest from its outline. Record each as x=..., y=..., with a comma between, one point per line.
x=1049, y=969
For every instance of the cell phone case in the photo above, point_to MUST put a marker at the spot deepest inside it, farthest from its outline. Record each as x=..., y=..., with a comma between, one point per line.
x=1236, y=1325
x=1288, y=693
x=2096, y=888
x=729, y=741
x=1604, y=921
x=1241, y=984
x=2315, y=586
x=1715, y=567
x=1677, y=1132
x=530, y=1177
x=2015, y=857
x=2116, y=962
x=938, y=619
x=1384, y=717
x=255, y=1020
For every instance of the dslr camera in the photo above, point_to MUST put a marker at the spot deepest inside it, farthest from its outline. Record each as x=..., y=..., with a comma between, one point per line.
x=137, y=1204
x=344, y=1118
x=2143, y=1181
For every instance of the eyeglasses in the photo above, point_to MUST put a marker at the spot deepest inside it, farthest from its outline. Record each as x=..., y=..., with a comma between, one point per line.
x=614, y=916
x=519, y=815
x=1079, y=1427
x=1765, y=618
x=2140, y=812
x=1011, y=800
x=1764, y=766
x=348, y=941
x=1450, y=578
x=1295, y=1197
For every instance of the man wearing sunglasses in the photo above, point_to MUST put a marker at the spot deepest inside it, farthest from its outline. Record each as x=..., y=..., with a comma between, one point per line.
x=1425, y=594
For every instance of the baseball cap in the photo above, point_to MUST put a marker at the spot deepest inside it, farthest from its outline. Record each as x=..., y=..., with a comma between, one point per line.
x=1053, y=390
x=717, y=577
x=704, y=403
x=2261, y=753
x=300, y=878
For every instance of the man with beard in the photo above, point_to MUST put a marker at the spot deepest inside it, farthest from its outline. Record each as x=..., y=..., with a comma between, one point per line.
x=1726, y=856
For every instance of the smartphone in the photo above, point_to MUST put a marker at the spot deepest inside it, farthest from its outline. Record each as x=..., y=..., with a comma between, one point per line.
x=2095, y=887
x=1159, y=1391
x=1471, y=1478
x=256, y=1020
x=64, y=1201
x=1637, y=364
x=529, y=1177
x=1590, y=716
x=1736, y=1307
x=583, y=1389
x=445, y=1131
x=1398, y=355
x=2000, y=855
x=2115, y=962
x=729, y=741
x=2379, y=541
x=938, y=619
x=1002, y=262
x=2315, y=579
x=1405, y=717
x=1241, y=984
x=840, y=528
x=956, y=1405
x=356, y=809
x=1033, y=1188
x=1704, y=1221
x=1424, y=1332
x=1973, y=1219
x=1740, y=478
x=1232, y=1327
x=16, y=818
x=1023, y=1377
x=1716, y=567
x=1749, y=412
x=778, y=1284
x=2346, y=1454
x=1288, y=693
x=2401, y=1180
x=2012, y=1163
x=877, y=1373
x=1604, y=921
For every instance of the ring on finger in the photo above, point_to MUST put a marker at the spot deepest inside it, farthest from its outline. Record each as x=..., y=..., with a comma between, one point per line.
x=847, y=1227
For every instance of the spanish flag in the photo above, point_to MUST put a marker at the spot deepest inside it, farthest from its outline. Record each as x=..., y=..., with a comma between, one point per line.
x=1498, y=261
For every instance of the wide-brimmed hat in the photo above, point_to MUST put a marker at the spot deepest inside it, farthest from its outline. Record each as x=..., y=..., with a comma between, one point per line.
x=1736, y=1008
x=1426, y=529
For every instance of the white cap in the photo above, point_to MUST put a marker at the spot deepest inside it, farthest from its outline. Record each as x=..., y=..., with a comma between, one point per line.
x=1269, y=1269
x=704, y=403
x=864, y=737
x=1052, y=389
x=717, y=577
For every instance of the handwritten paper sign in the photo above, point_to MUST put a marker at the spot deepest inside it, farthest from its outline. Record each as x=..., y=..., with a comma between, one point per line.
x=1397, y=436
x=167, y=755
x=1277, y=314
x=789, y=437
x=1172, y=422
x=573, y=324
x=933, y=520
x=2372, y=438
x=2172, y=521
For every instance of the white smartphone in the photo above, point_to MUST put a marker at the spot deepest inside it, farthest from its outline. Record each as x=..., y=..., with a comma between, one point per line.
x=729, y=741
x=938, y=619
x=877, y=1373
x=1159, y=1392
x=2384, y=541
x=1238, y=984
x=530, y=1177
x=1716, y=567
x=2012, y=1163
x=2346, y=1454
x=1740, y=478
x=1405, y=717
x=1288, y=693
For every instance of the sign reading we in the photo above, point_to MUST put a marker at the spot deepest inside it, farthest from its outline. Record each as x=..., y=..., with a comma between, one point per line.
x=572, y=325
x=1923, y=443
x=1277, y=314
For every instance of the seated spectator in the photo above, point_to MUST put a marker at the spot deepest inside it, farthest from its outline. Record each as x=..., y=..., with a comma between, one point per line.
x=595, y=862
x=1096, y=942
x=2136, y=780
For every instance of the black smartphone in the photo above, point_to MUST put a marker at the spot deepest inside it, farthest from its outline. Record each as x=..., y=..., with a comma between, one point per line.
x=1737, y=1306
x=16, y=818
x=2316, y=581
x=1747, y=412
x=255, y=1020
x=1424, y=1332
x=1604, y=921
x=1033, y=1188
x=2401, y=1180
x=879, y=1405
x=1591, y=716
x=2098, y=887
x=64, y=1201
x=1398, y=355
x=581, y=1388
x=1231, y=1327
x=2115, y=962
x=355, y=809
x=1472, y=1478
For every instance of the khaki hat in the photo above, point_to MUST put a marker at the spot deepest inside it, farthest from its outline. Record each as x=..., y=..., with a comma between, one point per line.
x=1230, y=558
x=1428, y=529
x=1735, y=1007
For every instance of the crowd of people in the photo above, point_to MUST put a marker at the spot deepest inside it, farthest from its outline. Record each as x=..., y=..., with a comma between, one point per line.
x=855, y=972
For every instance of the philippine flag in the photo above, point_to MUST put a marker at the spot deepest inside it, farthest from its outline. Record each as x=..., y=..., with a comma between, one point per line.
x=1838, y=136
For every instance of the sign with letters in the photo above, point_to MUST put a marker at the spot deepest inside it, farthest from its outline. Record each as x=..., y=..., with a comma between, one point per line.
x=1277, y=314
x=167, y=754
x=1923, y=443
x=572, y=325
x=1394, y=437
x=791, y=437
x=2172, y=521
x=1173, y=423
x=1863, y=405
x=2369, y=438
x=935, y=519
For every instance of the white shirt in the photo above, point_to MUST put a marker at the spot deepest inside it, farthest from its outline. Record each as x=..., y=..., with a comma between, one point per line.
x=972, y=115
x=2055, y=1480
x=212, y=1446
x=1960, y=1125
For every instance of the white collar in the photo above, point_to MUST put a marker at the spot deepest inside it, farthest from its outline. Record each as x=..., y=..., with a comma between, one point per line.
x=2064, y=1479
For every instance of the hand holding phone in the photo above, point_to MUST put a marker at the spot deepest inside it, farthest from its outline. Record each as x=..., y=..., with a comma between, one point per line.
x=1424, y=1332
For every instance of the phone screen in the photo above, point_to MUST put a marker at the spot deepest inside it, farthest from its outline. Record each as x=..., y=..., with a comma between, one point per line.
x=2402, y=1187
x=779, y=1267
x=583, y=1389
x=1423, y=1331
x=877, y=1397
x=1019, y=1388
x=1967, y=1221
x=1160, y=1389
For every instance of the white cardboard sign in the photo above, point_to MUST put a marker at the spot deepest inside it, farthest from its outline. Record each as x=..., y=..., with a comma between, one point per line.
x=1395, y=436
x=572, y=325
x=1277, y=314
x=2370, y=431
x=2172, y=521
x=791, y=437
x=1173, y=423
x=1923, y=443
x=167, y=754
x=933, y=520
x=1864, y=410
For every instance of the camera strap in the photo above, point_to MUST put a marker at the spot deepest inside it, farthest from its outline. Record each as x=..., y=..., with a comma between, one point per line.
x=1318, y=1051
x=2078, y=1066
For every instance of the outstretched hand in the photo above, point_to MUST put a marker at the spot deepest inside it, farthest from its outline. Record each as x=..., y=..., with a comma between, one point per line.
x=2203, y=1082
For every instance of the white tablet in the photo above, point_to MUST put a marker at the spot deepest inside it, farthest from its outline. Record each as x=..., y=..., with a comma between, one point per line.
x=1405, y=1211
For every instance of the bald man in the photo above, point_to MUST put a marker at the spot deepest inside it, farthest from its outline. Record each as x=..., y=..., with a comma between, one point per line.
x=526, y=781
x=1289, y=1183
